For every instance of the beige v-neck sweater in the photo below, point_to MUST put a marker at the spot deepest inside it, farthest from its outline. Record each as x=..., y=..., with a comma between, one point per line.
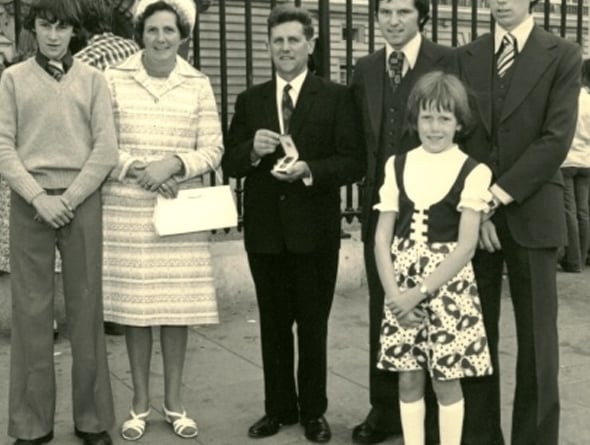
x=55, y=135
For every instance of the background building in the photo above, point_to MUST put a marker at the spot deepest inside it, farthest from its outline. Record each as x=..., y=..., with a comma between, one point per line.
x=229, y=41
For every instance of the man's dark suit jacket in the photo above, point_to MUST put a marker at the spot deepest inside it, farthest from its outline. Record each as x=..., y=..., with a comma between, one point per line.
x=293, y=216
x=534, y=132
x=367, y=86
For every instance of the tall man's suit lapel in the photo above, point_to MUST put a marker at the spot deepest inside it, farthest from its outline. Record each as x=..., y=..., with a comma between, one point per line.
x=531, y=64
x=479, y=69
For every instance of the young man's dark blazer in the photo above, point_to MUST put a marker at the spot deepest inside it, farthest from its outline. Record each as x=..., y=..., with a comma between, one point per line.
x=367, y=87
x=533, y=134
x=283, y=220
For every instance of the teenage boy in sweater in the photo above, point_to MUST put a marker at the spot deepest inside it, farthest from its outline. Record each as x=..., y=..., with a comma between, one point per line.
x=57, y=144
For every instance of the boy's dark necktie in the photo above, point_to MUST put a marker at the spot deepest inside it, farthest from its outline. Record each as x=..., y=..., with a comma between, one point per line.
x=396, y=64
x=506, y=55
x=287, y=108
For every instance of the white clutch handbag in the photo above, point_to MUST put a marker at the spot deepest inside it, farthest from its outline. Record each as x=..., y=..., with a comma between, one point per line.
x=196, y=210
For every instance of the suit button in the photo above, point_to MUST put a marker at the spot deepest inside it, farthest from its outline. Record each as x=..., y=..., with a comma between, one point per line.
x=282, y=197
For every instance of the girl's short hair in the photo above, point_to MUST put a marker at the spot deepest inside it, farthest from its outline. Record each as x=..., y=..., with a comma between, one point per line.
x=444, y=92
x=65, y=11
x=183, y=24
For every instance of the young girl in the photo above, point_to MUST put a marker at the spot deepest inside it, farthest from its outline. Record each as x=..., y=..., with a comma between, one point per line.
x=431, y=204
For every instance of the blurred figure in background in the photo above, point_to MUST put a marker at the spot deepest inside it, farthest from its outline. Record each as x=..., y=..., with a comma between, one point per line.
x=103, y=48
x=576, y=177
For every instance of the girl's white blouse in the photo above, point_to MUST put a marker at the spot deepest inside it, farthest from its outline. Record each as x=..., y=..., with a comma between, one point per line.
x=428, y=177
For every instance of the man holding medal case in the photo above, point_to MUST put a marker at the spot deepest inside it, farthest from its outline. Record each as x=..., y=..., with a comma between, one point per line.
x=292, y=216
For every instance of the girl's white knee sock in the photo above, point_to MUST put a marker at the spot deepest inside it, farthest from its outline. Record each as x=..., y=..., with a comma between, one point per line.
x=450, y=421
x=412, y=416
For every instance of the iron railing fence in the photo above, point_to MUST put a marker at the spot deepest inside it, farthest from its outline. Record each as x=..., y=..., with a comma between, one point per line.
x=229, y=44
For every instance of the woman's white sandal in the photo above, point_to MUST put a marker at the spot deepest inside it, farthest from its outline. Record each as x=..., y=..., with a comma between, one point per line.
x=135, y=424
x=183, y=426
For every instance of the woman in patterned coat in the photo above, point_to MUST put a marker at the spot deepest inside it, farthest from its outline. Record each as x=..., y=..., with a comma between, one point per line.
x=169, y=137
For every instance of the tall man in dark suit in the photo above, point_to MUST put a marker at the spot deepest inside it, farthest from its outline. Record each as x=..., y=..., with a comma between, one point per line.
x=381, y=84
x=292, y=217
x=526, y=85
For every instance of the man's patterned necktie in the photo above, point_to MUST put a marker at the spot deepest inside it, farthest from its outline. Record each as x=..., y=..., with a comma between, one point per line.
x=396, y=64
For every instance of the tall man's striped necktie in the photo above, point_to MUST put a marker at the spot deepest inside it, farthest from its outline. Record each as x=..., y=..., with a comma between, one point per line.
x=507, y=54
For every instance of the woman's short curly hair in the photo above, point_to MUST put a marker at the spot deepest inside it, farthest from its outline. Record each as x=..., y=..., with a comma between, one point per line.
x=185, y=16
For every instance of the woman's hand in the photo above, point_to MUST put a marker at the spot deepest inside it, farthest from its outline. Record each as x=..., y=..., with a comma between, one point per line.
x=169, y=189
x=157, y=172
x=135, y=169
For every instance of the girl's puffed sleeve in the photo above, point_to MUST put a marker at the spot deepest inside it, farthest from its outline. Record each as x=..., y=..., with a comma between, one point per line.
x=475, y=191
x=388, y=193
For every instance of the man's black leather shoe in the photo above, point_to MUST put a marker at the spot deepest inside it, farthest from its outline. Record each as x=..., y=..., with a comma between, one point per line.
x=317, y=430
x=268, y=426
x=102, y=438
x=365, y=434
x=38, y=441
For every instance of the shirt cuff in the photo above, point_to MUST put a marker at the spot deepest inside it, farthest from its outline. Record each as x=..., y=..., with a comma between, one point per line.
x=126, y=166
x=501, y=194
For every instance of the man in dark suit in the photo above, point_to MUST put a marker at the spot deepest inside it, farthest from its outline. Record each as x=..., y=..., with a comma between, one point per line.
x=526, y=85
x=381, y=85
x=292, y=217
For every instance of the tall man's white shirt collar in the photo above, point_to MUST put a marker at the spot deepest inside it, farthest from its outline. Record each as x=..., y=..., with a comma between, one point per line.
x=521, y=33
x=410, y=50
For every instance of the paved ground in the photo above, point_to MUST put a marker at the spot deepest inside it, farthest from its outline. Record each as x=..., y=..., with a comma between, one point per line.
x=224, y=378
